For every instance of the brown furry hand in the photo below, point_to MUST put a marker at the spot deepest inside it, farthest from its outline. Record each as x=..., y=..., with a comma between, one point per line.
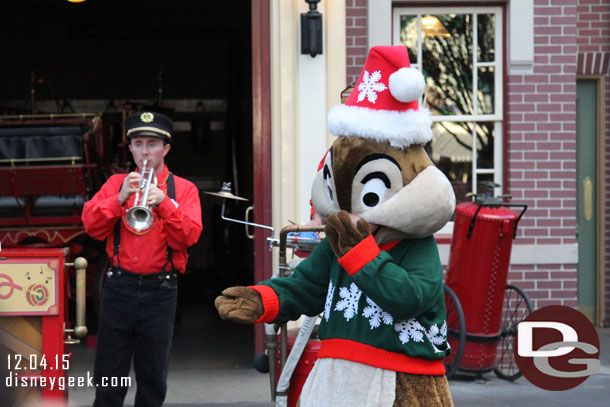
x=240, y=304
x=342, y=234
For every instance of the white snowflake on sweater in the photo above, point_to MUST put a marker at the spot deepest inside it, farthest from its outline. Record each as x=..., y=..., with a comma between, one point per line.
x=329, y=300
x=376, y=315
x=349, y=302
x=437, y=335
x=413, y=330
x=370, y=86
x=410, y=330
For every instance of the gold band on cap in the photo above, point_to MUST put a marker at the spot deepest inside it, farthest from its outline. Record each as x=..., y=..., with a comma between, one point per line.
x=149, y=128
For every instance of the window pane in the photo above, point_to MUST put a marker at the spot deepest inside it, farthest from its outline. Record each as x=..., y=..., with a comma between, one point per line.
x=408, y=36
x=485, y=145
x=447, y=64
x=451, y=151
x=485, y=94
x=486, y=31
x=485, y=185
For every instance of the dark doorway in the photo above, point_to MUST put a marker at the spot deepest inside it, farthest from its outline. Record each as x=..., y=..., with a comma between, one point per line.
x=189, y=58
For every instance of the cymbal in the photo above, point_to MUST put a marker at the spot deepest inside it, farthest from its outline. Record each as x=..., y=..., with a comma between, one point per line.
x=225, y=194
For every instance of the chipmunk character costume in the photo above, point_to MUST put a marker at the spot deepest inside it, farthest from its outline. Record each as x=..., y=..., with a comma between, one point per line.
x=377, y=282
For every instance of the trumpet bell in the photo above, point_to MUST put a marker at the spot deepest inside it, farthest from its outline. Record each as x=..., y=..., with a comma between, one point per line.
x=139, y=218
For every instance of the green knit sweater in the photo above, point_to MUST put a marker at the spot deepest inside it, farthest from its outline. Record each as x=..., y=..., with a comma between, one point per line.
x=381, y=306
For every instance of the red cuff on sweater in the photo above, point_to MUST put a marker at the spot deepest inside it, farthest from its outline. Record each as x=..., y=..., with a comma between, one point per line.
x=271, y=302
x=360, y=255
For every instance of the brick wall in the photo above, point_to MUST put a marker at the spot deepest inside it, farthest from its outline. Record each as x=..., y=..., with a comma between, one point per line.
x=542, y=150
x=551, y=284
x=355, y=23
x=593, y=27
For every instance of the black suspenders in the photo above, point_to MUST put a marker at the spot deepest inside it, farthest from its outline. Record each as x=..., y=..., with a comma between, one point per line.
x=171, y=192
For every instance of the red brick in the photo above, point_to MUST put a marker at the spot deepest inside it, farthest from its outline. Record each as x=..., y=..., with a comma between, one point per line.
x=535, y=193
x=589, y=17
x=523, y=184
x=549, y=146
x=570, y=284
x=548, y=107
x=549, y=241
x=355, y=31
x=548, y=49
x=538, y=294
x=561, y=212
x=548, y=11
x=564, y=39
x=522, y=126
x=535, y=117
x=549, y=165
x=522, y=107
x=548, y=183
x=523, y=165
x=548, y=88
x=546, y=303
x=360, y=21
x=563, y=294
x=357, y=12
x=548, y=284
x=562, y=59
x=562, y=78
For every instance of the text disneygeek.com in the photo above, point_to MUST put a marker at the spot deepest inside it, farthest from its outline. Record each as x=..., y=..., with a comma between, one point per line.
x=60, y=382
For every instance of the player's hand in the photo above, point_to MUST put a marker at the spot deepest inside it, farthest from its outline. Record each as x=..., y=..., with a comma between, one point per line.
x=130, y=186
x=240, y=304
x=344, y=231
x=155, y=196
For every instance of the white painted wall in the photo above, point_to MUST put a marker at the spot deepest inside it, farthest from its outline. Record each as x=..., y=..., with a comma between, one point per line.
x=312, y=113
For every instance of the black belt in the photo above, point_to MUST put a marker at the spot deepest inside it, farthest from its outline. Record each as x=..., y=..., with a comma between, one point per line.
x=163, y=275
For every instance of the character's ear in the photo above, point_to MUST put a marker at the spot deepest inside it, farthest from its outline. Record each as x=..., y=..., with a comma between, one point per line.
x=324, y=191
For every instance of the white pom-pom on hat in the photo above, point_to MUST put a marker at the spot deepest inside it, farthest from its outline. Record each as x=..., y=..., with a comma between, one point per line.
x=407, y=84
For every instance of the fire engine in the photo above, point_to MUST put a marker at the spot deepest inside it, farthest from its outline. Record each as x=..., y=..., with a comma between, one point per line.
x=50, y=164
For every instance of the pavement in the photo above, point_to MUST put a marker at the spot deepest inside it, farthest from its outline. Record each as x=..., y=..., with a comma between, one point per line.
x=211, y=365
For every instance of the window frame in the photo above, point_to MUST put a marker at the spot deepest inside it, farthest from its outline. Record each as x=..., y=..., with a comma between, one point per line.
x=498, y=64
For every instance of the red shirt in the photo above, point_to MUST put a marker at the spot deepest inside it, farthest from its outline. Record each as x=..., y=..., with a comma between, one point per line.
x=146, y=251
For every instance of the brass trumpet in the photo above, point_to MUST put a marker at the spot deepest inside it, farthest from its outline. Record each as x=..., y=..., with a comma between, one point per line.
x=140, y=216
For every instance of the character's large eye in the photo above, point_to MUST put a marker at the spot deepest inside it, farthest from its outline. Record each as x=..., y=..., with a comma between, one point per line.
x=375, y=187
x=329, y=186
x=377, y=179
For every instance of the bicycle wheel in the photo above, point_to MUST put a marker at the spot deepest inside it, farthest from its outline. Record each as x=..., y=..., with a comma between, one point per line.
x=517, y=307
x=456, y=331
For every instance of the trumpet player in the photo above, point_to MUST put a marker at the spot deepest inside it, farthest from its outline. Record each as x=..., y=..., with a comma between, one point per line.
x=146, y=251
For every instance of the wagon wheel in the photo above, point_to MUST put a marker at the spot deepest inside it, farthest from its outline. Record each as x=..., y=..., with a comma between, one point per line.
x=456, y=331
x=517, y=307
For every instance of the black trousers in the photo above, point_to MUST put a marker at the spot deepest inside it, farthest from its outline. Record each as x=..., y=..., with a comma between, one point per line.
x=136, y=321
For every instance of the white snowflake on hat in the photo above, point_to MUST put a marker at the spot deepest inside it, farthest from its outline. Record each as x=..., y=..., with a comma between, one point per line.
x=370, y=86
x=393, y=116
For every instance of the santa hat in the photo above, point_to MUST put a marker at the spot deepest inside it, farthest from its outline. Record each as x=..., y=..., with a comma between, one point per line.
x=383, y=105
